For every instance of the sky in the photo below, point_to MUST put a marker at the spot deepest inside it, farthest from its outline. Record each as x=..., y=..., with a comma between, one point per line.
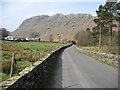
x=12, y=14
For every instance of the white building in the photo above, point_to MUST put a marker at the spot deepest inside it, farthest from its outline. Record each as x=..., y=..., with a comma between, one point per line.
x=11, y=38
x=27, y=39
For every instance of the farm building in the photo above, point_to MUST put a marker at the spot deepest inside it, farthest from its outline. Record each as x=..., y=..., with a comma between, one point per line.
x=11, y=38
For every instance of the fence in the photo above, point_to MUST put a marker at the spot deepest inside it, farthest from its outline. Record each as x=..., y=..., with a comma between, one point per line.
x=31, y=57
x=30, y=78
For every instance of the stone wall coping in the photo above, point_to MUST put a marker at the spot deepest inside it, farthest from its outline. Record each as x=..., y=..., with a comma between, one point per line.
x=13, y=79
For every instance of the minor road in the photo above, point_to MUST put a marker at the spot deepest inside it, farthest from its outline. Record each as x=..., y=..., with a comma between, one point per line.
x=76, y=70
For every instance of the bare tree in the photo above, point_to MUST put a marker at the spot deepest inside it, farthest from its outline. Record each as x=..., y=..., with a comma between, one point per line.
x=83, y=38
x=34, y=34
x=50, y=37
x=3, y=32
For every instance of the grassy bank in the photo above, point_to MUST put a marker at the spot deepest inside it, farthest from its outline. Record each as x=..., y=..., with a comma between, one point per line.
x=103, y=49
x=25, y=54
x=106, y=50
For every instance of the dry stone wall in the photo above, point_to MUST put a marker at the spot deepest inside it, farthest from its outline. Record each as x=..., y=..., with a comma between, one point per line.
x=32, y=75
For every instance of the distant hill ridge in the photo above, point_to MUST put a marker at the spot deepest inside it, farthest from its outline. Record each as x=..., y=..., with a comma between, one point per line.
x=64, y=25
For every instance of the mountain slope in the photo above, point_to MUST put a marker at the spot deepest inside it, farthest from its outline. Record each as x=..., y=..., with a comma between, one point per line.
x=64, y=25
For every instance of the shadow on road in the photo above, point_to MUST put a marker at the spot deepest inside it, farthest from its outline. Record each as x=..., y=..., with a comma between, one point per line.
x=56, y=80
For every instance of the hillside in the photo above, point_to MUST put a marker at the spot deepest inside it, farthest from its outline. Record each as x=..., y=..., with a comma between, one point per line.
x=64, y=25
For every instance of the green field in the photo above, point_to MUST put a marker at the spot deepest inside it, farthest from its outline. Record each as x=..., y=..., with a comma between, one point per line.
x=26, y=53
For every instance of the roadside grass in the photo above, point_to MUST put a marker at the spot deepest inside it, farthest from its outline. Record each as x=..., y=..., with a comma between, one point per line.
x=25, y=52
x=104, y=49
x=22, y=64
x=5, y=76
x=110, y=64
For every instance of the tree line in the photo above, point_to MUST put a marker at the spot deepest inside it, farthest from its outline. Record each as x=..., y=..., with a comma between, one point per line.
x=108, y=18
x=3, y=33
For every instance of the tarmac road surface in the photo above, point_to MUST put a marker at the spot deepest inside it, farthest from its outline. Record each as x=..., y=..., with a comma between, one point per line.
x=76, y=70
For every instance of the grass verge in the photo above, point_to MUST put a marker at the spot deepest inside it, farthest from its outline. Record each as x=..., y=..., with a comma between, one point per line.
x=96, y=58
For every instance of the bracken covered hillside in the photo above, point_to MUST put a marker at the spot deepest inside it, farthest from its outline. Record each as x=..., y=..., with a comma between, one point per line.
x=64, y=25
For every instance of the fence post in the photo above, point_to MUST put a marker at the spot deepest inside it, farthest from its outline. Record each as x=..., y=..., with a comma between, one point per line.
x=31, y=56
x=12, y=65
x=43, y=54
x=35, y=55
x=39, y=56
x=15, y=63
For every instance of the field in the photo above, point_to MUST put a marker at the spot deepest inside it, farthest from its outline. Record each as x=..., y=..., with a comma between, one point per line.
x=25, y=53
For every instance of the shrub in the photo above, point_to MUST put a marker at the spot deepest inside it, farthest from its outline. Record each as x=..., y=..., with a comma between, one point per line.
x=18, y=56
x=83, y=38
x=6, y=55
x=6, y=67
x=26, y=48
x=7, y=47
x=73, y=42
x=29, y=57
x=113, y=50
